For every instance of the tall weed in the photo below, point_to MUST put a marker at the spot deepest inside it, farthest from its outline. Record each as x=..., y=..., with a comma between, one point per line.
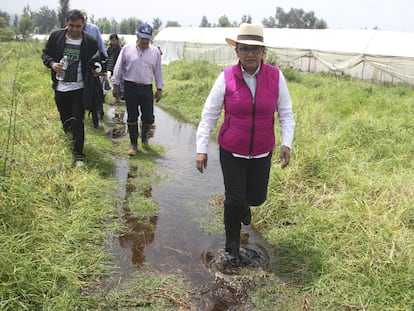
x=52, y=229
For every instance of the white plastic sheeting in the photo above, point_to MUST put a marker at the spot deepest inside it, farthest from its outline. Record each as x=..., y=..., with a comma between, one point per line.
x=374, y=55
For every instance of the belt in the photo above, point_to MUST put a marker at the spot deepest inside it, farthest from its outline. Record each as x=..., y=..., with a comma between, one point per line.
x=137, y=84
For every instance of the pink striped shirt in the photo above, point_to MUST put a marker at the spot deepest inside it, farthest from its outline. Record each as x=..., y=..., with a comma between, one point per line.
x=139, y=67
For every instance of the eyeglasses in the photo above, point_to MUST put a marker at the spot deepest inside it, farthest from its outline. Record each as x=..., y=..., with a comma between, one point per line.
x=244, y=50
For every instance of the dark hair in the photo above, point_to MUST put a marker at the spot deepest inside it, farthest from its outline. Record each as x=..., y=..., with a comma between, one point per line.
x=75, y=15
x=113, y=36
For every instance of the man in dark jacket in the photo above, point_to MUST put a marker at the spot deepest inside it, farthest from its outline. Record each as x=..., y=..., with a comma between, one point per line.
x=79, y=47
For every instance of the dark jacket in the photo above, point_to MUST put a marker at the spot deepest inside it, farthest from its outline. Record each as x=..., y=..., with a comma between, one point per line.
x=93, y=97
x=53, y=51
x=113, y=53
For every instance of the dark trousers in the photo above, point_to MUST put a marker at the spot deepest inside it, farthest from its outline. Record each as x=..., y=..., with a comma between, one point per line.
x=245, y=180
x=138, y=96
x=70, y=107
x=245, y=184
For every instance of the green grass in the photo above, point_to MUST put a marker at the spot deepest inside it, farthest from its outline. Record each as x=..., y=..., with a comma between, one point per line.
x=51, y=240
x=187, y=87
x=54, y=218
x=147, y=292
x=341, y=216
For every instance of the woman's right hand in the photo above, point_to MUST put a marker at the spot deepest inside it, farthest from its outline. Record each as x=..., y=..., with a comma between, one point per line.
x=201, y=162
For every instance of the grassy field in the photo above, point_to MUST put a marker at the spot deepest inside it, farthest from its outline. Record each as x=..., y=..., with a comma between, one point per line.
x=55, y=219
x=341, y=216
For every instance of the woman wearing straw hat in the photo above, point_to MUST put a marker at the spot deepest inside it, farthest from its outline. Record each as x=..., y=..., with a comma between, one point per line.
x=251, y=92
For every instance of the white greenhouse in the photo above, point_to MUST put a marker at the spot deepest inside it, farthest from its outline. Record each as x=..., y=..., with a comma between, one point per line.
x=374, y=55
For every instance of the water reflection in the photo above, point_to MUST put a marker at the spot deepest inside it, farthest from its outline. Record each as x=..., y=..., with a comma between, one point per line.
x=142, y=232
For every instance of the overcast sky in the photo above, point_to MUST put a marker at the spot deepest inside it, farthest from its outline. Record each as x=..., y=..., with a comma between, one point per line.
x=394, y=15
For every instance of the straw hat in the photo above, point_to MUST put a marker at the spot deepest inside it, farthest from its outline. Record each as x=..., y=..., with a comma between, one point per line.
x=250, y=34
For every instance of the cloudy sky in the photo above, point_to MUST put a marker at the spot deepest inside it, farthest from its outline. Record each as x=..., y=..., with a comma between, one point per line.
x=394, y=15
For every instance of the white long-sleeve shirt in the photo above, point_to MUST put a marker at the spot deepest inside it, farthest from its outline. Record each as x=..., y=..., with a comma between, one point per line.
x=214, y=106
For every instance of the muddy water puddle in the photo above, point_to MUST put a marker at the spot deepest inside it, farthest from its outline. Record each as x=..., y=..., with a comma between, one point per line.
x=173, y=242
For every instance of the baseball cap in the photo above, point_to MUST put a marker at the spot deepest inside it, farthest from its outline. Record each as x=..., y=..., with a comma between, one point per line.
x=144, y=31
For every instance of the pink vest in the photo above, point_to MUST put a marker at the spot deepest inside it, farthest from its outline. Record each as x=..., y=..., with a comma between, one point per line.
x=248, y=126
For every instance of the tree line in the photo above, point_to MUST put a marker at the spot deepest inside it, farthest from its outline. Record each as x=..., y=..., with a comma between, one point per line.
x=45, y=20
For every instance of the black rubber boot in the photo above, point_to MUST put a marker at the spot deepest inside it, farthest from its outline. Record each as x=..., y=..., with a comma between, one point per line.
x=246, y=215
x=232, y=226
x=133, y=132
x=145, y=131
x=133, y=137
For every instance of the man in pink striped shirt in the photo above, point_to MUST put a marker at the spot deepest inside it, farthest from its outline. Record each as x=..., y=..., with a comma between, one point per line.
x=139, y=64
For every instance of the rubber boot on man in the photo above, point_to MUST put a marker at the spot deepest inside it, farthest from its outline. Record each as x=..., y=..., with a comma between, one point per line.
x=133, y=137
x=144, y=132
